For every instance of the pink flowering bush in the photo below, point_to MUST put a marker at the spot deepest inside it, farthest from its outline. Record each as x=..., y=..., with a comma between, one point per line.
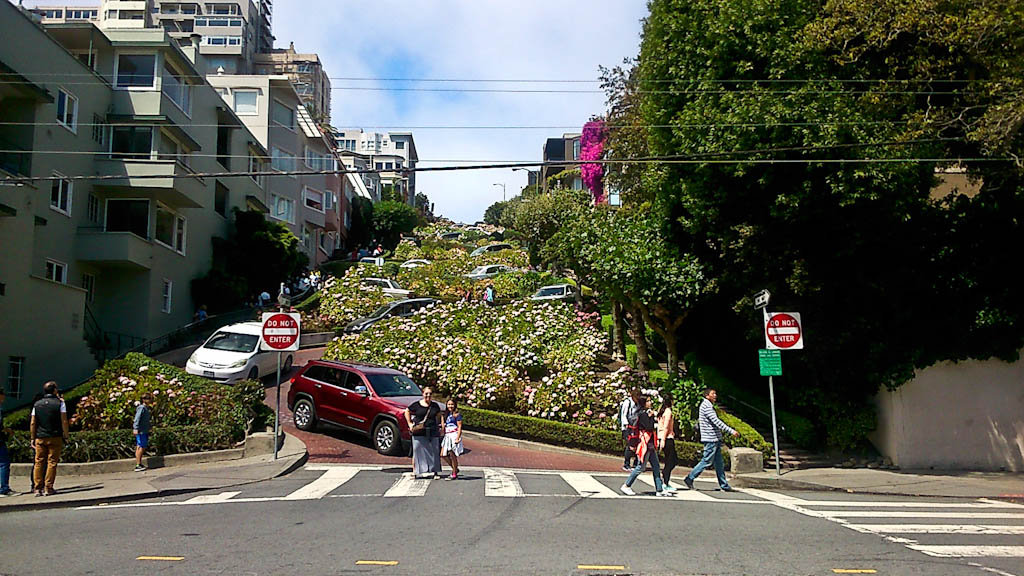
x=345, y=299
x=591, y=148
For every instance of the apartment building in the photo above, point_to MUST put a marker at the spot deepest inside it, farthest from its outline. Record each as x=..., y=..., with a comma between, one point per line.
x=104, y=250
x=566, y=148
x=233, y=31
x=313, y=206
x=393, y=155
x=307, y=75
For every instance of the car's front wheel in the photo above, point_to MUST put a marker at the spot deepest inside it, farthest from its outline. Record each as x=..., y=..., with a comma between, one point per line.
x=386, y=439
x=254, y=374
x=304, y=414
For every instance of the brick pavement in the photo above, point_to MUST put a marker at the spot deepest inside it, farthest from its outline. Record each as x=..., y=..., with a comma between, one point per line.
x=340, y=446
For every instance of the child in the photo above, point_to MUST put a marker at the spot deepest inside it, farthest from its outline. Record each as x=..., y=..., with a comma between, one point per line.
x=140, y=428
x=451, y=445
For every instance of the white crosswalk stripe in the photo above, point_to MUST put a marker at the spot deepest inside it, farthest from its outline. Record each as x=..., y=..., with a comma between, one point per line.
x=324, y=485
x=407, y=486
x=501, y=483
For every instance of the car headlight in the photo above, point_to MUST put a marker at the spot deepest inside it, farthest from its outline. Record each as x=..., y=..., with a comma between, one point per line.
x=239, y=363
x=192, y=359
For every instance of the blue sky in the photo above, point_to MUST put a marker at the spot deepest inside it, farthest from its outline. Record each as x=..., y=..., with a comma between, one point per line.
x=466, y=40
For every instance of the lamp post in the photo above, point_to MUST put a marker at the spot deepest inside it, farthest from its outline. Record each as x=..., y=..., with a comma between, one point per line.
x=530, y=172
x=502, y=189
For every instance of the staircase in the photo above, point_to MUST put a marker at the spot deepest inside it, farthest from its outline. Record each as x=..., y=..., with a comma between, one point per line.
x=794, y=458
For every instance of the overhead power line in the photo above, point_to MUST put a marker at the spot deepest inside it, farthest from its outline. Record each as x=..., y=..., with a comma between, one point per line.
x=501, y=127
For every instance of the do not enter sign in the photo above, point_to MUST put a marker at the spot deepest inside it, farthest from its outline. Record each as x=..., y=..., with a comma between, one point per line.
x=782, y=331
x=280, y=331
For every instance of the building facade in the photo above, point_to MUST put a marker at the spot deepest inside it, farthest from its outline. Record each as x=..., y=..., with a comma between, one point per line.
x=306, y=73
x=564, y=149
x=392, y=155
x=100, y=251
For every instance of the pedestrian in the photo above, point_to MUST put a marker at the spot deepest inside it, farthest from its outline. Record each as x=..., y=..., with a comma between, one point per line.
x=5, y=455
x=646, y=450
x=48, y=431
x=627, y=421
x=711, y=428
x=264, y=299
x=667, y=440
x=451, y=444
x=489, y=295
x=201, y=314
x=141, y=427
x=422, y=417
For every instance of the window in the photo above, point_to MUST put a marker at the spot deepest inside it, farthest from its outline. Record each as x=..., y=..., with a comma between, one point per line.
x=329, y=201
x=220, y=199
x=255, y=165
x=131, y=142
x=282, y=208
x=283, y=115
x=224, y=146
x=92, y=210
x=56, y=271
x=246, y=102
x=170, y=229
x=165, y=296
x=98, y=129
x=89, y=285
x=136, y=70
x=128, y=216
x=67, y=110
x=314, y=199
x=170, y=149
x=306, y=243
x=379, y=165
x=188, y=9
x=576, y=149
x=60, y=195
x=15, y=375
x=175, y=87
x=399, y=145
x=388, y=165
x=282, y=161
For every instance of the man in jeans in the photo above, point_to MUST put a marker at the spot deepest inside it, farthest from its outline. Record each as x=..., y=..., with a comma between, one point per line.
x=48, y=431
x=628, y=413
x=5, y=456
x=711, y=428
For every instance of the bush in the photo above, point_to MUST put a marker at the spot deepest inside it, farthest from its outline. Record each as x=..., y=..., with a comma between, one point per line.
x=564, y=434
x=93, y=446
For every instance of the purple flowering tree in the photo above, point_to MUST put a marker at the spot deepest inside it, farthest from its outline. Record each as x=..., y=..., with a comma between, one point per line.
x=591, y=148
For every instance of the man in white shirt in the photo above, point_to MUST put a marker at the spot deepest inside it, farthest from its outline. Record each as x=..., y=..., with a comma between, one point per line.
x=628, y=413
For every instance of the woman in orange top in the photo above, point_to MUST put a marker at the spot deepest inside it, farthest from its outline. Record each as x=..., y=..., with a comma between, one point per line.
x=667, y=439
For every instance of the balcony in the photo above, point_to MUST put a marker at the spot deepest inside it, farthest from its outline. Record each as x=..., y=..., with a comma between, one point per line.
x=113, y=249
x=314, y=217
x=168, y=181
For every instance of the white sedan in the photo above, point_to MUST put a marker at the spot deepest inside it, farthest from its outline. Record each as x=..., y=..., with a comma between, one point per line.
x=414, y=263
x=489, y=271
x=386, y=285
x=233, y=353
x=555, y=292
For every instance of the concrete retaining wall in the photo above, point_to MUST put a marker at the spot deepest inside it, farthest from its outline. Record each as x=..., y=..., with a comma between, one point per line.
x=955, y=416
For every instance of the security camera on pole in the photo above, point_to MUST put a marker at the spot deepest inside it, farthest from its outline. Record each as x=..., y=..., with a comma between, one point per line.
x=280, y=333
x=782, y=331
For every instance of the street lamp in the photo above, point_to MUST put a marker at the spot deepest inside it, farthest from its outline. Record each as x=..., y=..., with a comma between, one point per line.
x=530, y=172
x=502, y=190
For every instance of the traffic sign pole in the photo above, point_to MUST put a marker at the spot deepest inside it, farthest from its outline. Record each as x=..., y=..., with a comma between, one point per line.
x=277, y=412
x=280, y=333
x=771, y=396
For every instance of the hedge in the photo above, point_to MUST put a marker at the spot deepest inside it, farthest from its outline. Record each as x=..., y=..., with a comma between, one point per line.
x=93, y=446
x=564, y=434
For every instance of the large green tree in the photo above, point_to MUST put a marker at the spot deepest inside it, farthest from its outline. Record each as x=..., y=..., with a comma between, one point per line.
x=391, y=220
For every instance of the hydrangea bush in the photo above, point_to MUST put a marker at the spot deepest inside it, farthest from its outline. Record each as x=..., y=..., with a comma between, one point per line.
x=345, y=299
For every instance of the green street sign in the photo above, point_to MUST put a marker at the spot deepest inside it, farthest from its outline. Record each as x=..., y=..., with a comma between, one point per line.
x=770, y=362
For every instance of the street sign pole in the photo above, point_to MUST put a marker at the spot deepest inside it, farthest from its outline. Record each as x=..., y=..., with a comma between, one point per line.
x=277, y=412
x=280, y=333
x=775, y=429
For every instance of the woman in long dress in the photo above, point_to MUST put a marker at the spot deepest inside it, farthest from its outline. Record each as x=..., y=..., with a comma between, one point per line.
x=426, y=443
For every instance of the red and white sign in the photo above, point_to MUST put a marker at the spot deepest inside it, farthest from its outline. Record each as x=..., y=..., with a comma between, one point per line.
x=280, y=331
x=782, y=331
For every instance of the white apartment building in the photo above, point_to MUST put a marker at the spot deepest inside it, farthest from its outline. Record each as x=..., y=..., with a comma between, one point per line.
x=393, y=155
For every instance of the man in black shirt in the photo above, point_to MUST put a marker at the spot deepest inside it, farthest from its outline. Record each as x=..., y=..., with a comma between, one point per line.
x=48, y=431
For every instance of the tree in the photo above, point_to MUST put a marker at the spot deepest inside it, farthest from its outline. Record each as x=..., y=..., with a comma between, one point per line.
x=389, y=193
x=360, y=231
x=391, y=220
x=493, y=213
x=424, y=207
x=538, y=219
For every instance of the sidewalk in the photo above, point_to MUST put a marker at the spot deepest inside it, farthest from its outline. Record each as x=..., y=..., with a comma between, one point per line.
x=89, y=484
x=902, y=483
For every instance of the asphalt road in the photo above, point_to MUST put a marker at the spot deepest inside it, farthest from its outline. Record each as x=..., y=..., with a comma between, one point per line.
x=329, y=519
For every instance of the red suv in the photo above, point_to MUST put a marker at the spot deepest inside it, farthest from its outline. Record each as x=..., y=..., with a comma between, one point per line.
x=364, y=398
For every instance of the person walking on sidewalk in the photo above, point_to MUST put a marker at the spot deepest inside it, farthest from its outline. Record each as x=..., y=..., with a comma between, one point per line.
x=646, y=450
x=5, y=455
x=48, y=431
x=667, y=439
x=140, y=428
x=711, y=428
x=627, y=420
x=451, y=444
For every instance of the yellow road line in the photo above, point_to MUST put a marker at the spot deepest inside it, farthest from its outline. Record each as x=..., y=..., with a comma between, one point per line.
x=162, y=558
x=853, y=571
x=600, y=567
x=376, y=562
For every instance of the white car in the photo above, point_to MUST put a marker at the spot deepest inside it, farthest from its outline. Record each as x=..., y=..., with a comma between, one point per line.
x=489, y=271
x=233, y=353
x=375, y=260
x=386, y=285
x=490, y=248
x=555, y=292
x=414, y=263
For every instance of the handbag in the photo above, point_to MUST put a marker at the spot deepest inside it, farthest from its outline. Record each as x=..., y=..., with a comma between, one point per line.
x=421, y=426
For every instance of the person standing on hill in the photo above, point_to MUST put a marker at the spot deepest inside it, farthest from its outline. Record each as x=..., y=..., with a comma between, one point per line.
x=667, y=439
x=711, y=428
x=141, y=427
x=48, y=431
x=646, y=450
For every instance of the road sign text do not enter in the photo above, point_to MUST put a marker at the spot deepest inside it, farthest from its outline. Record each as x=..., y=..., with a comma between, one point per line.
x=783, y=331
x=280, y=332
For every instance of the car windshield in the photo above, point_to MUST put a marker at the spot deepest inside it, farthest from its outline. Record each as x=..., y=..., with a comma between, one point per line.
x=392, y=385
x=479, y=270
x=380, y=311
x=232, y=342
x=549, y=292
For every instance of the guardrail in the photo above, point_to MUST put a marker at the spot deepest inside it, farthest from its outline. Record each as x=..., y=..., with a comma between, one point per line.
x=189, y=334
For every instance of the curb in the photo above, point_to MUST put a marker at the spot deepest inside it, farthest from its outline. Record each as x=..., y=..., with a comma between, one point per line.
x=744, y=481
x=538, y=446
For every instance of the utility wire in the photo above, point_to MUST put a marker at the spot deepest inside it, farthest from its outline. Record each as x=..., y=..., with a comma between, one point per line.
x=499, y=127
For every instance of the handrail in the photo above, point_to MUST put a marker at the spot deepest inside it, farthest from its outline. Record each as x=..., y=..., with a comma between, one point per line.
x=188, y=334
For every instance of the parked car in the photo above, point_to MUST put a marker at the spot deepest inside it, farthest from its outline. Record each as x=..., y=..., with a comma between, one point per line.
x=390, y=310
x=414, y=263
x=233, y=353
x=387, y=285
x=375, y=260
x=555, y=292
x=451, y=236
x=363, y=398
x=490, y=248
x=488, y=271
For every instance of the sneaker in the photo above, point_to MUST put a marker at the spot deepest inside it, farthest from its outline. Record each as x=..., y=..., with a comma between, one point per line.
x=51, y=492
x=140, y=468
x=627, y=490
x=667, y=488
x=627, y=469
x=727, y=489
x=663, y=493
x=39, y=493
x=688, y=482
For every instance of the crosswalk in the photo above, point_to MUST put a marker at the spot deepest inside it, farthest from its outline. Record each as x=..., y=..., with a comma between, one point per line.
x=993, y=528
